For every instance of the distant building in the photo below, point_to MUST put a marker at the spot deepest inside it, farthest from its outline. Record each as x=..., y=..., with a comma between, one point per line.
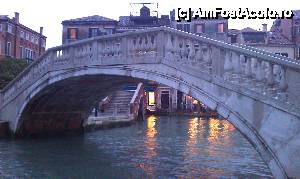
x=289, y=29
x=19, y=41
x=91, y=26
x=86, y=27
x=143, y=21
x=271, y=41
x=212, y=28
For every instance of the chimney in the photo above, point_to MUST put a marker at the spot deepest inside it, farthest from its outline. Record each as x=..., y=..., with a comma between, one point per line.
x=17, y=17
x=264, y=27
x=41, y=30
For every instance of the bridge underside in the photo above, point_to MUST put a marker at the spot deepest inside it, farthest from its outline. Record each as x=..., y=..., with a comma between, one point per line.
x=66, y=104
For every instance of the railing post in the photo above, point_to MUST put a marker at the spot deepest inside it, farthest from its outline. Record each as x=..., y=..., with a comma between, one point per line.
x=95, y=51
x=283, y=81
x=228, y=62
x=248, y=67
x=52, y=57
x=217, y=61
x=160, y=45
x=191, y=53
x=253, y=65
x=270, y=79
x=236, y=63
x=169, y=48
x=124, y=48
x=260, y=72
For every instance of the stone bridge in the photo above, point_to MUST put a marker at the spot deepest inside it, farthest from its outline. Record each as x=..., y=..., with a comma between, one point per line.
x=257, y=91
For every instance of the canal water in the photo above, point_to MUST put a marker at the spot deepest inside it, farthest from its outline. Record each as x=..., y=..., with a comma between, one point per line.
x=159, y=147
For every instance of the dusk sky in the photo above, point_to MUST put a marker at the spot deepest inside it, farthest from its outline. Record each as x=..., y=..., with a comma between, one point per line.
x=50, y=13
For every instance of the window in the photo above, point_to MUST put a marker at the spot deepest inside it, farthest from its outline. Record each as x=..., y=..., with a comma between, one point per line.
x=22, y=34
x=199, y=28
x=28, y=54
x=151, y=99
x=32, y=39
x=220, y=28
x=44, y=43
x=108, y=30
x=186, y=27
x=0, y=27
x=36, y=40
x=27, y=36
x=9, y=28
x=93, y=32
x=299, y=52
x=8, y=49
x=179, y=26
x=72, y=33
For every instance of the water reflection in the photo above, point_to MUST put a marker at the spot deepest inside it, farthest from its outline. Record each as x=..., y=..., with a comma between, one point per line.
x=218, y=131
x=214, y=131
x=160, y=147
x=219, y=128
x=150, y=144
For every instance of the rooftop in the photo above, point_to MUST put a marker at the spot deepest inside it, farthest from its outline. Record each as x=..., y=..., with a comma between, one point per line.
x=94, y=18
x=248, y=29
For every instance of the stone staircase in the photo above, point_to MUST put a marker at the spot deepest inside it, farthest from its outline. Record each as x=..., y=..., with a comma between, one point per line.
x=119, y=104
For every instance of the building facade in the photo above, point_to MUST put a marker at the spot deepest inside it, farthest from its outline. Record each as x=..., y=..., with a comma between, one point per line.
x=19, y=41
x=271, y=41
x=289, y=29
x=86, y=27
x=165, y=99
x=212, y=28
x=91, y=26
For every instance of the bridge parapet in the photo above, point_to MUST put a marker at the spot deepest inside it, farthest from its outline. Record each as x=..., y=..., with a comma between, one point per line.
x=273, y=76
x=258, y=71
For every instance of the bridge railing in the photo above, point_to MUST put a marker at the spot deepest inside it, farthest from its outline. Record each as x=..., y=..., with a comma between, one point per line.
x=136, y=100
x=260, y=71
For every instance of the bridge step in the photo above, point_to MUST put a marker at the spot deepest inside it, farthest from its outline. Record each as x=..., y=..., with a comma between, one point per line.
x=119, y=104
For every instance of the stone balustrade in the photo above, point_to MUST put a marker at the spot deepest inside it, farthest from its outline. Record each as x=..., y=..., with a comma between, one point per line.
x=256, y=70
